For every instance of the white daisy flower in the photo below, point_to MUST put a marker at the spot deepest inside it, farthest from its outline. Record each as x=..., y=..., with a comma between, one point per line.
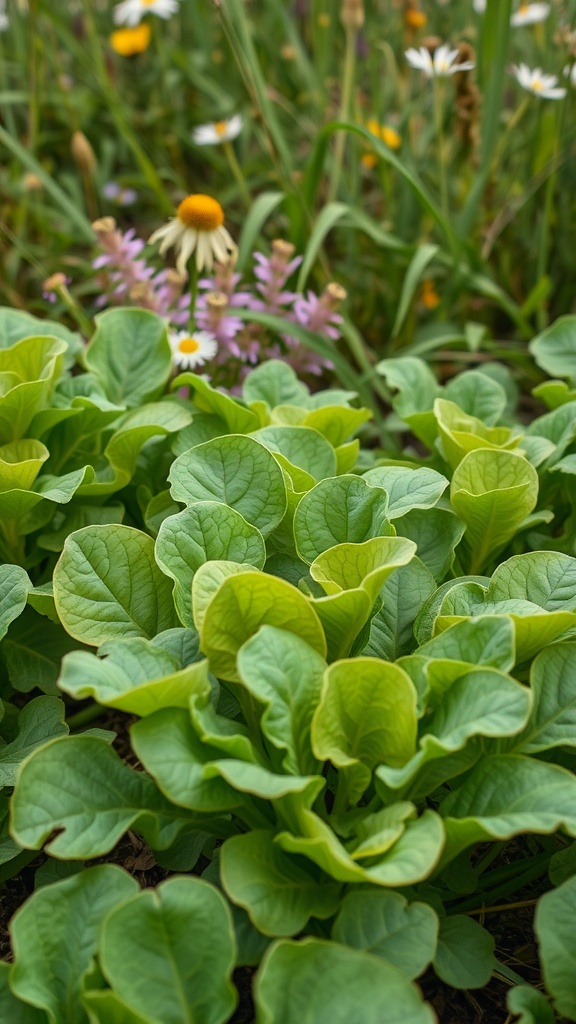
x=131, y=12
x=530, y=14
x=479, y=6
x=537, y=82
x=220, y=131
x=440, y=64
x=197, y=227
x=190, y=350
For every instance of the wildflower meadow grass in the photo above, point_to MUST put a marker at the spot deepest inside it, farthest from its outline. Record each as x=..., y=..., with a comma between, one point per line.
x=287, y=512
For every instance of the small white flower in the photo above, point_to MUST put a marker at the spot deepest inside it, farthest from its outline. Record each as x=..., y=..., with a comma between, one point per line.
x=131, y=12
x=441, y=64
x=570, y=72
x=538, y=83
x=530, y=14
x=197, y=227
x=190, y=350
x=219, y=131
x=479, y=6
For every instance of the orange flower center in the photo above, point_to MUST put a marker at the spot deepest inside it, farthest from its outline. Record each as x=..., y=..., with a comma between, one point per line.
x=415, y=19
x=130, y=41
x=188, y=345
x=221, y=127
x=201, y=213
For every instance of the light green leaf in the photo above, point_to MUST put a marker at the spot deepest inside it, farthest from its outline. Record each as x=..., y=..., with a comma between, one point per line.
x=366, y=716
x=55, y=939
x=553, y=719
x=336, y=422
x=530, y=1004
x=436, y=533
x=181, y=976
x=336, y=511
x=461, y=434
x=492, y=492
x=135, y=677
x=384, y=923
x=487, y=640
x=40, y=720
x=365, y=566
x=331, y=984
x=478, y=395
x=107, y=585
x=32, y=651
x=275, y=383
x=407, y=488
x=555, y=348
x=418, y=388
x=278, y=893
x=303, y=447
x=241, y=605
x=130, y=355
x=237, y=418
x=555, y=926
x=104, y=1007
x=13, y=1010
x=14, y=588
x=465, y=954
x=391, y=629
x=506, y=795
x=204, y=532
x=20, y=463
x=237, y=471
x=29, y=370
x=283, y=672
x=102, y=798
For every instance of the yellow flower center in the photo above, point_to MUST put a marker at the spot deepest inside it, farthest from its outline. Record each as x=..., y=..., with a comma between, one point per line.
x=523, y=8
x=188, y=345
x=415, y=19
x=221, y=127
x=203, y=213
x=537, y=85
x=130, y=41
x=147, y=3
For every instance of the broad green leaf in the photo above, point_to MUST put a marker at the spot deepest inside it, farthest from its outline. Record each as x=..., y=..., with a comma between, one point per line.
x=278, y=893
x=102, y=798
x=384, y=923
x=336, y=423
x=13, y=1010
x=103, y=1006
x=417, y=390
x=477, y=395
x=391, y=629
x=487, y=640
x=530, y=1005
x=554, y=393
x=32, y=651
x=237, y=418
x=366, y=566
x=130, y=355
x=461, y=433
x=480, y=702
x=29, y=370
x=407, y=488
x=284, y=673
x=492, y=492
x=553, y=719
x=207, y=581
x=336, y=511
x=14, y=588
x=55, y=938
x=506, y=795
x=555, y=927
x=15, y=324
x=424, y=627
x=135, y=677
x=343, y=616
x=331, y=984
x=558, y=427
x=204, y=532
x=465, y=954
x=181, y=938
x=366, y=716
x=20, y=463
x=303, y=447
x=107, y=585
x=275, y=383
x=436, y=533
x=170, y=749
x=245, y=602
x=237, y=471
x=40, y=720
x=555, y=348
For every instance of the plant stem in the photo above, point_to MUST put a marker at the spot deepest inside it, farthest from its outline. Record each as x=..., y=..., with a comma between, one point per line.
x=345, y=110
x=439, y=126
x=237, y=172
x=193, y=271
x=85, y=716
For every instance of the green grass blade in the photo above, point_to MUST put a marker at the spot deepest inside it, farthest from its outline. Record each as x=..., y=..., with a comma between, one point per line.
x=423, y=256
x=260, y=210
